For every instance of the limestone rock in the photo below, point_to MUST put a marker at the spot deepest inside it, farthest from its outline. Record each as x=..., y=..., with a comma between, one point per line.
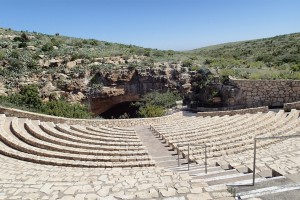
x=71, y=64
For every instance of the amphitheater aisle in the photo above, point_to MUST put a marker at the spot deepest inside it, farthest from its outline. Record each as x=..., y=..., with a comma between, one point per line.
x=160, y=152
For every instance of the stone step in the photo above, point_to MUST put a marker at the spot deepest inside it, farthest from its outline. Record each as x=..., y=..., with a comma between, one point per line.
x=250, y=181
x=199, y=171
x=221, y=173
x=210, y=171
x=228, y=178
x=164, y=158
x=184, y=166
x=268, y=182
x=166, y=163
x=288, y=191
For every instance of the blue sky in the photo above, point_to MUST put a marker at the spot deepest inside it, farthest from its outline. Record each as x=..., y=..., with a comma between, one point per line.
x=161, y=24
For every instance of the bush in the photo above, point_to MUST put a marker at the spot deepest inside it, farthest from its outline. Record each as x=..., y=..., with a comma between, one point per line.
x=30, y=96
x=187, y=63
x=154, y=104
x=47, y=47
x=2, y=55
x=151, y=111
x=295, y=68
x=62, y=108
x=22, y=45
x=23, y=38
x=164, y=100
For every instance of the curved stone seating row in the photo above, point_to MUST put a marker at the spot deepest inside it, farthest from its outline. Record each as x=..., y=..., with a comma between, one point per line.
x=180, y=123
x=228, y=134
x=66, y=130
x=23, y=139
x=62, y=132
x=205, y=123
x=220, y=123
x=109, y=131
x=238, y=139
x=104, y=137
x=32, y=132
x=216, y=126
x=177, y=122
x=246, y=143
x=211, y=133
x=282, y=156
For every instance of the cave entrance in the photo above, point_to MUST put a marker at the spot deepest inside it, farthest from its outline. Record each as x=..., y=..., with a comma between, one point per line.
x=119, y=110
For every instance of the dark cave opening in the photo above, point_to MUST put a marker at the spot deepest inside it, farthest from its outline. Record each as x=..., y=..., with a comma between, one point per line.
x=119, y=110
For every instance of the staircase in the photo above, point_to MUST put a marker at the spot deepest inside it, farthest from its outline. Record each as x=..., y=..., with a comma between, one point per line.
x=220, y=177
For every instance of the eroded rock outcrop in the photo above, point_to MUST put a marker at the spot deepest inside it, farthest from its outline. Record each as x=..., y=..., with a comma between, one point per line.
x=129, y=85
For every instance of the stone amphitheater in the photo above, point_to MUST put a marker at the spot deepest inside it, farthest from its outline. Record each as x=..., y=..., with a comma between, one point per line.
x=182, y=156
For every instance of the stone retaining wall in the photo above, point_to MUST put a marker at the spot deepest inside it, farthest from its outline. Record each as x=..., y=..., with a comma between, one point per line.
x=10, y=112
x=289, y=106
x=256, y=93
x=234, y=112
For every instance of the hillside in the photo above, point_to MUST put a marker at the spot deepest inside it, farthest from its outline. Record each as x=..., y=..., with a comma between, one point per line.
x=100, y=73
x=82, y=70
x=66, y=63
x=268, y=58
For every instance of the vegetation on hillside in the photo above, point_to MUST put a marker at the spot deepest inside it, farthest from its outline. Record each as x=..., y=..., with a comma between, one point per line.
x=270, y=58
x=154, y=104
x=65, y=65
x=28, y=99
x=22, y=51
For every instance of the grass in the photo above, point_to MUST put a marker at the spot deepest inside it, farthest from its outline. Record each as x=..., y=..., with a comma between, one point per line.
x=247, y=59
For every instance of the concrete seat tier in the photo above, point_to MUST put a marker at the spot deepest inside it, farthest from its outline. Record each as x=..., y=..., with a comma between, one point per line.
x=226, y=135
x=40, y=142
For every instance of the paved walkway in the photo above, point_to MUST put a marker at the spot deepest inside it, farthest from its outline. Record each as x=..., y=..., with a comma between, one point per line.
x=160, y=152
x=24, y=180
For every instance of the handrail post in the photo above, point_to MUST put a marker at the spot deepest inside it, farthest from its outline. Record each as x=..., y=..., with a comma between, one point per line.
x=178, y=155
x=254, y=161
x=189, y=157
x=205, y=162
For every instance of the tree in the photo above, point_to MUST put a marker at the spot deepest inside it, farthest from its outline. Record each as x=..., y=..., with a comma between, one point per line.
x=30, y=96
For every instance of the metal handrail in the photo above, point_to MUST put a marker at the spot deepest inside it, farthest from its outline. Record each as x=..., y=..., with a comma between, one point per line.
x=203, y=145
x=180, y=145
x=266, y=138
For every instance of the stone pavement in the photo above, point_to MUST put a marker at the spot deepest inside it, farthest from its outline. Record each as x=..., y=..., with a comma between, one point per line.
x=24, y=180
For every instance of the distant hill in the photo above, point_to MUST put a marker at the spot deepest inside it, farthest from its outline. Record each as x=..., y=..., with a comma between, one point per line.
x=24, y=54
x=268, y=58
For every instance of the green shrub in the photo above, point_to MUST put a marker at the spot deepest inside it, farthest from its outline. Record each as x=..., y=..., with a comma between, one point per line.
x=56, y=42
x=187, y=63
x=14, y=54
x=194, y=68
x=22, y=45
x=164, y=100
x=151, y=111
x=295, y=68
x=62, y=108
x=30, y=96
x=154, y=104
x=2, y=55
x=47, y=47
x=22, y=38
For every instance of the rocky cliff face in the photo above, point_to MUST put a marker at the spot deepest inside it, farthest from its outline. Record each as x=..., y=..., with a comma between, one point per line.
x=129, y=85
x=89, y=81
